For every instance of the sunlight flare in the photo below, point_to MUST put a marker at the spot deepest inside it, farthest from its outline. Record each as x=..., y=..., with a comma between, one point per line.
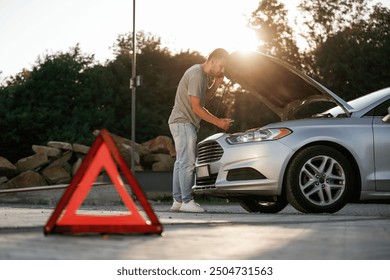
x=245, y=40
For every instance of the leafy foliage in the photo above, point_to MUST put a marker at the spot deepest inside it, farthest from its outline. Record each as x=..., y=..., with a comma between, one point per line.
x=271, y=22
x=61, y=98
x=355, y=60
x=324, y=19
x=68, y=95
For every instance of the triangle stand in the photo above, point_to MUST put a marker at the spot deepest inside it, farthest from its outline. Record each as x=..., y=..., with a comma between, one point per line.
x=102, y=154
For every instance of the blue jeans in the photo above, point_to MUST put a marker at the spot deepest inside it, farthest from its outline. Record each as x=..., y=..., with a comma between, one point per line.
x=185, y=137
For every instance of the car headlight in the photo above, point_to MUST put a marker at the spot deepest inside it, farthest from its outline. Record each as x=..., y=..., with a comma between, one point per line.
x=258, y=135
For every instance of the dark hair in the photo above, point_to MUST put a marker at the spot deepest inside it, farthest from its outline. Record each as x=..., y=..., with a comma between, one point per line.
x=218, y=54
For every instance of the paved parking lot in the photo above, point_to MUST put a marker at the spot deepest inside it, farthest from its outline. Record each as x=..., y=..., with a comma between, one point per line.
x=359, y=231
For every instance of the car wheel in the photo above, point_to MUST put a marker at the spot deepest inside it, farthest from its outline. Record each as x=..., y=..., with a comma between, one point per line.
x=253, y=205
x=319, y=180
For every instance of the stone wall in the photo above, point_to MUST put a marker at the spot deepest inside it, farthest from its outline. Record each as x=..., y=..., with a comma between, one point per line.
x=57, y=162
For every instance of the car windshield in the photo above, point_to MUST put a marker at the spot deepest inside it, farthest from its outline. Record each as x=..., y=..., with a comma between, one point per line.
x=314, y=109
x=359, y=103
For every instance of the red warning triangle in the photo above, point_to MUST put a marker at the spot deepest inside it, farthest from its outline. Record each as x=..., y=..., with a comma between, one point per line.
x=103, y=154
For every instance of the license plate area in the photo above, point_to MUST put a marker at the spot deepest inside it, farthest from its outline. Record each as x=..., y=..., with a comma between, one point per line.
x=203, y=171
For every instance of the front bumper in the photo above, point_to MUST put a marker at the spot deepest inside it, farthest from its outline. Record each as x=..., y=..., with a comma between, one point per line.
x=254, y=169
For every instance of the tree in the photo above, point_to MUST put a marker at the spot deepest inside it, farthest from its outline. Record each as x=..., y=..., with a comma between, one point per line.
x=323, y=19
x=271, y=24
x=68, y=95
x=62, y=98
x=161, y=71
x=326, y=18
x=356, y=60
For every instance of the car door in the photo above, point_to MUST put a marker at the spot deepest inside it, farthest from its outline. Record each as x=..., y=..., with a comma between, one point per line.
x=381, y=134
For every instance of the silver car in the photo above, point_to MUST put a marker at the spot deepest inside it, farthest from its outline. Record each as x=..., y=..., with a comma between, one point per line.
x=317, y=163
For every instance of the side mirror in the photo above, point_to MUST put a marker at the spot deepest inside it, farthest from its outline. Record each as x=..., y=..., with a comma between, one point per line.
x=386, y=118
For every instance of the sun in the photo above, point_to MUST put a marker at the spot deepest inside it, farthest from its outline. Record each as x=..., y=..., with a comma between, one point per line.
x=224, y=24
x=244, y=40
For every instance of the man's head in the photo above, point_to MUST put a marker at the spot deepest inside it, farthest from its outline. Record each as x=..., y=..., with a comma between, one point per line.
x=216, y=62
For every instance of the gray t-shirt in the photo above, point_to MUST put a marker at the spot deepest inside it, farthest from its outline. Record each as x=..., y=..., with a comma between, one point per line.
x=193, y=83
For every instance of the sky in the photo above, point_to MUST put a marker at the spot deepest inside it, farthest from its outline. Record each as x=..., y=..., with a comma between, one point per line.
x=33, y=28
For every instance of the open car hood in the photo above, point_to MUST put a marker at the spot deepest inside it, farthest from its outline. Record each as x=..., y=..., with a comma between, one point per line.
x=277, y=84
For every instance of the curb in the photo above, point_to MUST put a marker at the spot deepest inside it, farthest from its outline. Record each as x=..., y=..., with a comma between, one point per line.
x=154, y=184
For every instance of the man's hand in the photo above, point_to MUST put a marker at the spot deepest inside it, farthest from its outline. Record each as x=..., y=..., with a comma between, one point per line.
x=224, y=123
x=197, y=108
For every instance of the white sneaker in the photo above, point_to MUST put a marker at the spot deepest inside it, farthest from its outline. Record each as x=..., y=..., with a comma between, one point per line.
x=191, y=206
x=176, y=205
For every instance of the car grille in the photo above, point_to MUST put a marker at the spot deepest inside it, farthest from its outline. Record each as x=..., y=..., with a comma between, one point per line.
x=209, y=152
x=206, y=183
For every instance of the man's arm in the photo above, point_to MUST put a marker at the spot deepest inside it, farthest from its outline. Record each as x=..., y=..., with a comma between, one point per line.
x=206, y=115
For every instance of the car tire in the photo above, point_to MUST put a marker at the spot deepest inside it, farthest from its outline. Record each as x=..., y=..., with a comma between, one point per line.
x=253, y=205
x=319, y=180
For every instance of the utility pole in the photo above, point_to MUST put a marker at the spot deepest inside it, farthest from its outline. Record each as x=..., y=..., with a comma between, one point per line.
x=133, y=87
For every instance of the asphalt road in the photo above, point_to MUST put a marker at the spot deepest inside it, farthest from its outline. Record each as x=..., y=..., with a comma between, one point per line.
x=224, y=232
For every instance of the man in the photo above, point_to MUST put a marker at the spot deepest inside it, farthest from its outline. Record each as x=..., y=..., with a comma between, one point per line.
x=184, y=122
